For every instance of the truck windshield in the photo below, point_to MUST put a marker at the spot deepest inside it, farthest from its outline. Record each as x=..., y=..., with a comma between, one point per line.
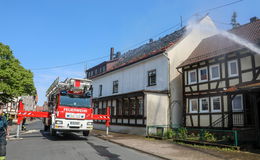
x=75, y=101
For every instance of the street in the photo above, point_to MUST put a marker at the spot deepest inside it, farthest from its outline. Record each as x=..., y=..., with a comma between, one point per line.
x=39, y=145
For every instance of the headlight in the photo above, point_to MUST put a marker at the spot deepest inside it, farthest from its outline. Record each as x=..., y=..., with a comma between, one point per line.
x=89, y=123
x=59, y=122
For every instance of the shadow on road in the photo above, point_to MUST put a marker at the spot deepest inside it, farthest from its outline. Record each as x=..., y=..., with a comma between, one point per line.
x=104, y=152
x=62, y=137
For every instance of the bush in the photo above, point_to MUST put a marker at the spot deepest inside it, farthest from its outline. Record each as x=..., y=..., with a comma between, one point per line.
x=169, y=134
x=209, y=137
x=180, y=133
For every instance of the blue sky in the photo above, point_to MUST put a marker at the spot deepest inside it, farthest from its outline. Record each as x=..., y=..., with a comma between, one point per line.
x=46, y=33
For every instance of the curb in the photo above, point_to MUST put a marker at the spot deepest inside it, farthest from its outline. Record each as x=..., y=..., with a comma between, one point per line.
x=139, y=150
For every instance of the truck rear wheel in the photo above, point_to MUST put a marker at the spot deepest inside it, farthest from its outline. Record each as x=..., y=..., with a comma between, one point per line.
x=85, y=133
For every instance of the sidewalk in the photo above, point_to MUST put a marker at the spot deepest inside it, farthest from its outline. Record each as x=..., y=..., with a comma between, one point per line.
x=169, y=150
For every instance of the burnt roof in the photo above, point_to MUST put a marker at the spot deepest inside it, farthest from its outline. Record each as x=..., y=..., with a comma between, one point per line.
x=151, y=47
x=218, y=44
x=146, y=51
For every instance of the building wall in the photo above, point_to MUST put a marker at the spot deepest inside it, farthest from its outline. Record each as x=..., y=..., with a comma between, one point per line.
x=29, y=103
x=123, y=129
x=248, y=72
x=177, y=55
x=156, y=109
x=134, y=77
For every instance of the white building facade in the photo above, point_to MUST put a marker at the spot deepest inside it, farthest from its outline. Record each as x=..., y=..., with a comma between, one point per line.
x=146, y=90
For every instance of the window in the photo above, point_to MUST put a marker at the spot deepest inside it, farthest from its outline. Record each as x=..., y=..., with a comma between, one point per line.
x=204, y=105
x=203, y=74
x=119, y=107
x=215, y=104
x=214, y=72
x=103, y=68
x=132, y=106
x=193, y=105
x=140, y=105
x=192, y=77
x=125, y=106
x=73, y=101
x=115, y=86
x=232, y=68
x=100, y=90
x=152, y=78
x=237, y=103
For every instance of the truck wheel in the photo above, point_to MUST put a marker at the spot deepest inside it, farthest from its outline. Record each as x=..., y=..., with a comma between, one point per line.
x=46, y=128
x=53, y=132
x=85, y=133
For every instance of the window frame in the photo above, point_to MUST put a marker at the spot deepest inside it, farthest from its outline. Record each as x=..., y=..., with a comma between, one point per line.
x=148, y=77
x=196, y=81
x=190, y=106
x=212, y=102
x=100, y=90
x=242, y=105
x=200, y=105
x=113, y=88
x=229, y=68
x=210, y=68
x=203, y=68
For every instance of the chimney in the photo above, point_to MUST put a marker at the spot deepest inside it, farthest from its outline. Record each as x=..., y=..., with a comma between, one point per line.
x=111, y=53
x=253, y=19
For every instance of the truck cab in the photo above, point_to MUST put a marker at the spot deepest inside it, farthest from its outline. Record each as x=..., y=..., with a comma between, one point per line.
x=70, y=107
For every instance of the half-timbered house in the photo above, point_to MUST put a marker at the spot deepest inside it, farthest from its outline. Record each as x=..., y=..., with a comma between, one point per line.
x=221, y=80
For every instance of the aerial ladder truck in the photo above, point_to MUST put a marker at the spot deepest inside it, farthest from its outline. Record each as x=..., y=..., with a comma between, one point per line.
x=69, y=108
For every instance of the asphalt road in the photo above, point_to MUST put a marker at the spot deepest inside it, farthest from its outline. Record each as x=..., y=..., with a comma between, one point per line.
x=39, y=145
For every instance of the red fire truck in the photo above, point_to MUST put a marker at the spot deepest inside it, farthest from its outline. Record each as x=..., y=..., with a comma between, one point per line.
x=69, y=108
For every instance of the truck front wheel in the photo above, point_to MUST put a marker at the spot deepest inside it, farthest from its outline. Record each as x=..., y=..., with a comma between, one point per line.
x=85, y=133
x=46, y=128
x=53, y=132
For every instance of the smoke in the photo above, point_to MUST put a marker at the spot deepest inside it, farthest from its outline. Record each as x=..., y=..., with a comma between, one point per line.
x=240, y=41
x=208, y=29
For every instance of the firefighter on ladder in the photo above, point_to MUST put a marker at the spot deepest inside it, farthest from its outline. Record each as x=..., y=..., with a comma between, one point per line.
x=3, y=133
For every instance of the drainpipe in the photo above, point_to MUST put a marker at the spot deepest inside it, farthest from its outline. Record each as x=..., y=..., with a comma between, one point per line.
x=169, y=90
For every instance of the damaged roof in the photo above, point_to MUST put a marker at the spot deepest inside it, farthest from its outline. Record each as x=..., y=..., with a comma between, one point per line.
x=150, y=48
x=218, y=44
x=146, y=51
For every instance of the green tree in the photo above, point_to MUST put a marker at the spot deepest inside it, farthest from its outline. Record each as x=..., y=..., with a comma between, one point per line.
x=15, y=80
x=234, y=20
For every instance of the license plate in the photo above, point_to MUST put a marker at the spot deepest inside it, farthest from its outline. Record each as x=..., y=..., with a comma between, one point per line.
x=75, y=115
x=75, y=123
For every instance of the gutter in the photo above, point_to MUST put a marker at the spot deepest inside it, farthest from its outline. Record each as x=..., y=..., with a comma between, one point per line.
x=179, y=71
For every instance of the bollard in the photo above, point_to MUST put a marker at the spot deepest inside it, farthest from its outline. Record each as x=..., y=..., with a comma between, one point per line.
x=18, y=131
x=107, y=131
